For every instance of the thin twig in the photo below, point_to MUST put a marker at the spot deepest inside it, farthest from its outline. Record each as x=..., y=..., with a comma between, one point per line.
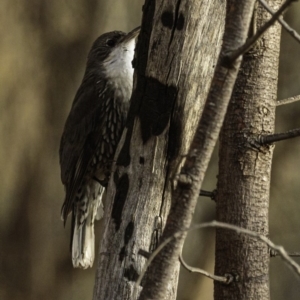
x=227, y=279
x=288, y=100
x=144, y=253
x=276, y=137
x=284, y=24
x=210, y=194
x=291, y=254
x=277, y=249
x=252, y=40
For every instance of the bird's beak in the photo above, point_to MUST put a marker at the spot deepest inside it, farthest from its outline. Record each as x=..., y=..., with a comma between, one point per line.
x=131, y=35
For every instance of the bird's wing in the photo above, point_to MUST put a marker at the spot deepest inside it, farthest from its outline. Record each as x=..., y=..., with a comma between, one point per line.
x=79, y=140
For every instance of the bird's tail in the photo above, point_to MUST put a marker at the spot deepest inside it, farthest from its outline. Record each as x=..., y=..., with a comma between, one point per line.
x=83, y=238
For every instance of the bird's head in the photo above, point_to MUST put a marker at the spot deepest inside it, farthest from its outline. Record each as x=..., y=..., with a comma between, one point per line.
x=113, y=52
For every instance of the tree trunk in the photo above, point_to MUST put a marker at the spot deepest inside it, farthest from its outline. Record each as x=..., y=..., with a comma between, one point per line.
x=244, y=170
x=174, y=65
x=190, y=176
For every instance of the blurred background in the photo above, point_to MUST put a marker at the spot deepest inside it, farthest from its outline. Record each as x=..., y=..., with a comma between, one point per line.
x=43, y=49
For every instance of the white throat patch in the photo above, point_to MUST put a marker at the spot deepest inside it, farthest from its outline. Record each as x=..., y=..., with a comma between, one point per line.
x=118, y=64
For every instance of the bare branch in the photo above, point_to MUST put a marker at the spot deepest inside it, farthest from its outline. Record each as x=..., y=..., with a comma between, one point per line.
x=288, y=100
x=285, y=25
x=276, y=137
x=273, y=253
x=209, y=194
x=227, y=279
x=292, y=254
x=252, y=40
x=215, y=224
x=278, y=249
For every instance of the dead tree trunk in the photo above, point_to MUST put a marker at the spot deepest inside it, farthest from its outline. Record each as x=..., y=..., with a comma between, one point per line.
x=244, y=170
x=174, y=65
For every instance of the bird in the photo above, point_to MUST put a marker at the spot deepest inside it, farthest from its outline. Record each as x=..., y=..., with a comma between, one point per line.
x=91, y=134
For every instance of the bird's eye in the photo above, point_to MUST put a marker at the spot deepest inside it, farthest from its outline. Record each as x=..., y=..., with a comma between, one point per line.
x=110, y=43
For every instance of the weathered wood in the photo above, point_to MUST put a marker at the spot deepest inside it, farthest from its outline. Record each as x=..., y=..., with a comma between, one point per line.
x=177, y=51
x=192, y=173
x=244, y=170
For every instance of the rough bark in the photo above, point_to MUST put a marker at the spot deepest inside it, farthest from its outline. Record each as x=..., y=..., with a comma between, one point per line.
x=174, y=66
x=244, y=170
x=191, y=175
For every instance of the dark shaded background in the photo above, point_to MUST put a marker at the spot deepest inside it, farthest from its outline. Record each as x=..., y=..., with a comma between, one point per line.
x=43, y=52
